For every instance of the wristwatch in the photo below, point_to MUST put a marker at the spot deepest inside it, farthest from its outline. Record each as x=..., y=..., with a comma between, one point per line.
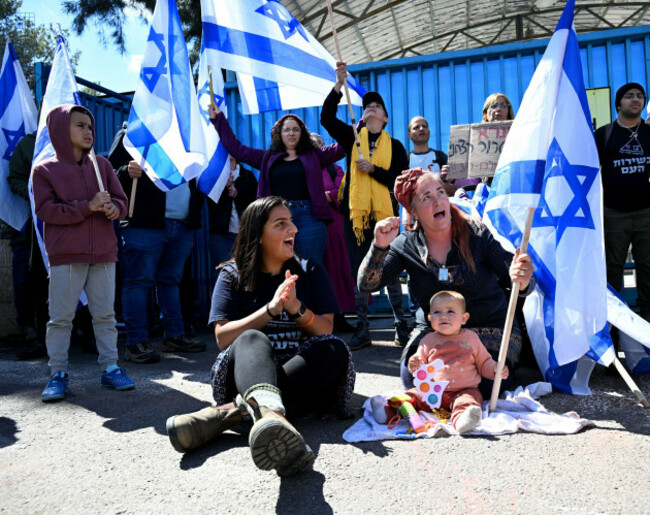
x=301, y=311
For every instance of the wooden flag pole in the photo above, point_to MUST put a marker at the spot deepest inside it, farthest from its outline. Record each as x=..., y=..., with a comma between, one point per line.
x=93, y=158
x=512, y=306
x=345, y=84
x=211, y=86
x=630, y=383
x=134, y=187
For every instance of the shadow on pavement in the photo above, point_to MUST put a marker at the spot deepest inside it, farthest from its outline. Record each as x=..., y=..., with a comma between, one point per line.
x=8, y=432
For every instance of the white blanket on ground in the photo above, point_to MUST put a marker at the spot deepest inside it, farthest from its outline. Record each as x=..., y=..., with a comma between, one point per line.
x=516, y=411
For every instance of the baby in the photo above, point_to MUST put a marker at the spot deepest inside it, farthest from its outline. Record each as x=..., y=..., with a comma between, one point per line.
x=465, y=361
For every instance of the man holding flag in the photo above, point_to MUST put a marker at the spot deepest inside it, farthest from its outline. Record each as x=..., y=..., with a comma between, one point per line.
x=550, y=164
x=165, y=139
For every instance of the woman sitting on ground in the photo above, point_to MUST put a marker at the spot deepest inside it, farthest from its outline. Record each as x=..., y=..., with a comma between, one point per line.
x=291, y=168
x=272, y=315
x=446, y=251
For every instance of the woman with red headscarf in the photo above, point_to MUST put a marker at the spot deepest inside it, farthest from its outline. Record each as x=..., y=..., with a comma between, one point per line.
x=292, y=169
x=446, y=250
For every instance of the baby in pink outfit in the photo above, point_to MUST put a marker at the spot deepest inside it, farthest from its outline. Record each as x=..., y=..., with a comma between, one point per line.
x=465, y=360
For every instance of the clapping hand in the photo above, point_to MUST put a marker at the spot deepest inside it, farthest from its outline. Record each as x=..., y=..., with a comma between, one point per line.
x=284, y=297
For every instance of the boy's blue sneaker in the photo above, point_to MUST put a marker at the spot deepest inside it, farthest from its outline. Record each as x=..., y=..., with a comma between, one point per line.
x=56, y=387
x=117, y=379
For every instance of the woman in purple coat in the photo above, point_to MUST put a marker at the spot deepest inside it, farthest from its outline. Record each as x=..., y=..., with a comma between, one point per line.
x=292, y=169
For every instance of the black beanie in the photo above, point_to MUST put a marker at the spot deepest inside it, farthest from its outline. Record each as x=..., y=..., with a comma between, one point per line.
x=624, y=89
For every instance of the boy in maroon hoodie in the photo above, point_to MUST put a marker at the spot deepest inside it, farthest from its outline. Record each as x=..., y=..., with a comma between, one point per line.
x=80, y=243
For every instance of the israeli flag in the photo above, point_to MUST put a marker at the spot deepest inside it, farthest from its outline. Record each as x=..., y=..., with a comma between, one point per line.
x=213, y=179
x=549, y=162
x=480, y=197
x=17, y=118
x=261, y=38
x=61, y=89
x=165, y=131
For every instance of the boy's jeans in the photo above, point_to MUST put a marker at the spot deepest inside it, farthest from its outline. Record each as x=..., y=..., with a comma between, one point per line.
x=66, y=284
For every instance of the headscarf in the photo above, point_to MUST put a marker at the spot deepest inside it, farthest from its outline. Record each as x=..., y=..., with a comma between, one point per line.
x=405, y=186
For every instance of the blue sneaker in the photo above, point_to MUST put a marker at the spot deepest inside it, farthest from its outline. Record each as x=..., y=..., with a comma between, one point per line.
x=117, y=379
x=56, y=387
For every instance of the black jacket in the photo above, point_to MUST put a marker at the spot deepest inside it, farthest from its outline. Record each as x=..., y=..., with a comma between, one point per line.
x=149, y=209
x=246, y=186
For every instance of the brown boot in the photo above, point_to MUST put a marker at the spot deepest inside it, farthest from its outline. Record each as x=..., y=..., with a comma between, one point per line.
x=274, y=442
x=194, y=429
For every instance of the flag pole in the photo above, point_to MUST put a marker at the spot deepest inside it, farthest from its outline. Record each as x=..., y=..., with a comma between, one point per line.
x=512, y=306
x=345, y=84
x=134, y=187
x=93, y=158
x=211, y=86
x=630, y=383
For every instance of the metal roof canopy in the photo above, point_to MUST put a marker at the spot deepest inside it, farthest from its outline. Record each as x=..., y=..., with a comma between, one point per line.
x=376, y=30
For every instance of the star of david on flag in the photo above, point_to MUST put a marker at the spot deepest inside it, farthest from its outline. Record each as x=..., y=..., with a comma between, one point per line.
x=165, y=131
x=279, y=64
x=549, y=162
x=17, y=118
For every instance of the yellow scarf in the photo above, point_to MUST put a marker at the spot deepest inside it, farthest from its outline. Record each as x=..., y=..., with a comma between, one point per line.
x=369, y=199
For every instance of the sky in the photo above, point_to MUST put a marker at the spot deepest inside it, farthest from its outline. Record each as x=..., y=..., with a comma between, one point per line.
x=100, y=63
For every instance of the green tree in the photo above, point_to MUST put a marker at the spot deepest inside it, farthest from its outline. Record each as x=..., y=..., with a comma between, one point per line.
x=32, y=42
x=108, y=17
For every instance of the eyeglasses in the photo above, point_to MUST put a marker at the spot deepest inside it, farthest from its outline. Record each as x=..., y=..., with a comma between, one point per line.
x=288, y=130
x=630, y=96
x=497, y=106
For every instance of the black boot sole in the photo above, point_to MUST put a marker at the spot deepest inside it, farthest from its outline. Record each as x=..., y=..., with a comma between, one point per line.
x=275, y=446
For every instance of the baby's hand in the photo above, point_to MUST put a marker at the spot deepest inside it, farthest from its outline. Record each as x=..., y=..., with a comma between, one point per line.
x=414, y=363
x=504, y=373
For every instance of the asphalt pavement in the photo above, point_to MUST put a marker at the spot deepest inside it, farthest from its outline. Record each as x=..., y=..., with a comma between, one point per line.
x=101, y=451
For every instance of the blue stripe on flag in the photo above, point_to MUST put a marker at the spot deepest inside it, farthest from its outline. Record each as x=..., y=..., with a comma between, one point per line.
x=215, y=168
x=8, y=82
x=268, y=94
x=520, y=177
x=268, y=50
x=566, y=20
x=572, y=67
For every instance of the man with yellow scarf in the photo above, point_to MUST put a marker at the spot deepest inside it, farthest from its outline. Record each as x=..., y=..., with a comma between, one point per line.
x=366, y=194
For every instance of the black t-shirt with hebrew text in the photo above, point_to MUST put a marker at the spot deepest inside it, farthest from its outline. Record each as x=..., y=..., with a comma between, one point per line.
x=313, y=288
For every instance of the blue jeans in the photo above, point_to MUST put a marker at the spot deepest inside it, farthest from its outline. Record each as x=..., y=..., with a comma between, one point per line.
x=312, y=234
x=221, y=247
x=154, y=256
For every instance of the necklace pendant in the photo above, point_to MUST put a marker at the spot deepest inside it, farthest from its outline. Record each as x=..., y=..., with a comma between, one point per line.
x=635, y=135
x=443, y=274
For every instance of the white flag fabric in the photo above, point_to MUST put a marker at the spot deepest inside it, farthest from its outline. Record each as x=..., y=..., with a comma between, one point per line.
x=213, y=179
x=261, y=38
x=259, y=95
x=165, y=133
x=17, y=118
x=549, y=162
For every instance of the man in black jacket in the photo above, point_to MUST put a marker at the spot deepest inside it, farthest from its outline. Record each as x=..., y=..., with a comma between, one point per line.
x=157, y=241
x=359, y=238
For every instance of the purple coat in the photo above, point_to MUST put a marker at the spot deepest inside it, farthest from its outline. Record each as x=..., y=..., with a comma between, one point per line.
x=313, y=162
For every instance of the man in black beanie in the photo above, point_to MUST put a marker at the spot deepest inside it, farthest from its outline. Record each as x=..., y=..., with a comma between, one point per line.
x=624, y=152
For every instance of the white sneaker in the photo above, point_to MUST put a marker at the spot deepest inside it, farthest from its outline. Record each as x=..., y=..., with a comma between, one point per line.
x=469, y=419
